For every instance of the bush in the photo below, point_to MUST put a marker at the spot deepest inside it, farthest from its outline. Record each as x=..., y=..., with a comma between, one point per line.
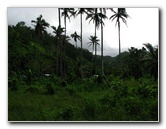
x=66, y=114
x=108, y=100
x=29, y=76
x=120, y=88
x=132, y=105
x=12, y=85
x=50, y=89
x=70, y=90
x=64, y=83
x=89, y=110
x=147, y=91
x=32, y=90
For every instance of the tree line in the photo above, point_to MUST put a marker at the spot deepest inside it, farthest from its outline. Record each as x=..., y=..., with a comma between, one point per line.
x=97, y=15
x=59, y=43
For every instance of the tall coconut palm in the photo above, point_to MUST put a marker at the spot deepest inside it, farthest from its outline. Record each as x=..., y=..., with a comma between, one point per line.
x=59, y=16
x=96, y=17
x=120, y=14
x=102, y=16
x=93, y=41
x=40, y=25
x=67, y=13
x=40, y=28
x=151, y=59
x=59, y=36
x=76, y=37
x=80, y=12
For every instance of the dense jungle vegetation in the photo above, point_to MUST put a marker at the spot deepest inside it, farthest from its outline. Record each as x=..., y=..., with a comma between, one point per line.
x=49, y=79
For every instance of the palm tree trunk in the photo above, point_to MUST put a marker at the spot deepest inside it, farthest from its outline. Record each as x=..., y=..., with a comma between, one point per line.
x=119, y=47
x=95, y=46
x=59, y=16
x=92, y=51
x=76, y=49
x=61, y=65
x=57, y=61
x=95, y=52
x=64, y=64
x=119, y=37
x=102, y=67
x=81, y=45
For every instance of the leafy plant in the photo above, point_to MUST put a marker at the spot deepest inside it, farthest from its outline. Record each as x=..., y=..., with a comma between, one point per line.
x=12, y=84
x=50, y=89
x=89, y=109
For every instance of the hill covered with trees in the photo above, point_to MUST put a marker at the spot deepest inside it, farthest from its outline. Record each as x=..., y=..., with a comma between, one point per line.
x=50, y=79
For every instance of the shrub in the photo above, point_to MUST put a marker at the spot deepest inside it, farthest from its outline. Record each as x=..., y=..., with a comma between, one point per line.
x=108, y=100
x=66, y=114
x=32, y=90
x=64, y=83
x=29, y=76
x=120, y=88
x=12, y=84
x=132, y=105
x=50, y=89
x=89, y=109
x=147, y=91
x=70, y=90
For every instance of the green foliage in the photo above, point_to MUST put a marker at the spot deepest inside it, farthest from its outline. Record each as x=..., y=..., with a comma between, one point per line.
x=86, y=100
x=32, y=89
x=50, y=89
x=29, y=76
x=108, y=100
x=64, y=83
x=34, y=97
x=71, y=90
x=12, y=84
x=89, y=109
x=67, y=114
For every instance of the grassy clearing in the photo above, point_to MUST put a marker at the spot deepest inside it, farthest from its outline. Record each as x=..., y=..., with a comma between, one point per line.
x=127, y=100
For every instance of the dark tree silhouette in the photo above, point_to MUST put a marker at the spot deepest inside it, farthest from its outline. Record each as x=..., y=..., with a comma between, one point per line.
x=40, y=26
x=59, y=41
x=120, y=14
x=151, y=59
x=81, y=11
x=96, y=17
x=76, y=37
x=66, y=13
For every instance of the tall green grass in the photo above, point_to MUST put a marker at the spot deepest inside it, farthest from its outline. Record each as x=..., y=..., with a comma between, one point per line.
x=88, y=100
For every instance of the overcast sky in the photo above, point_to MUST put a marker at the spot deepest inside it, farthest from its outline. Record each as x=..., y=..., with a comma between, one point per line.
x=142, y=27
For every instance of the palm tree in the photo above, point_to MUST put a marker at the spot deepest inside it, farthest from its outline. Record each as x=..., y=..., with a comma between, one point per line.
x=76, y=37
x=96, y=17
x=59, y=39
x=81, y=11
x=120, y=14
x=103, y=16
x=135, y=63
x=67, y=13
x=40, y=26
x=151, y=58
x=93, y=40
x=59, y=16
